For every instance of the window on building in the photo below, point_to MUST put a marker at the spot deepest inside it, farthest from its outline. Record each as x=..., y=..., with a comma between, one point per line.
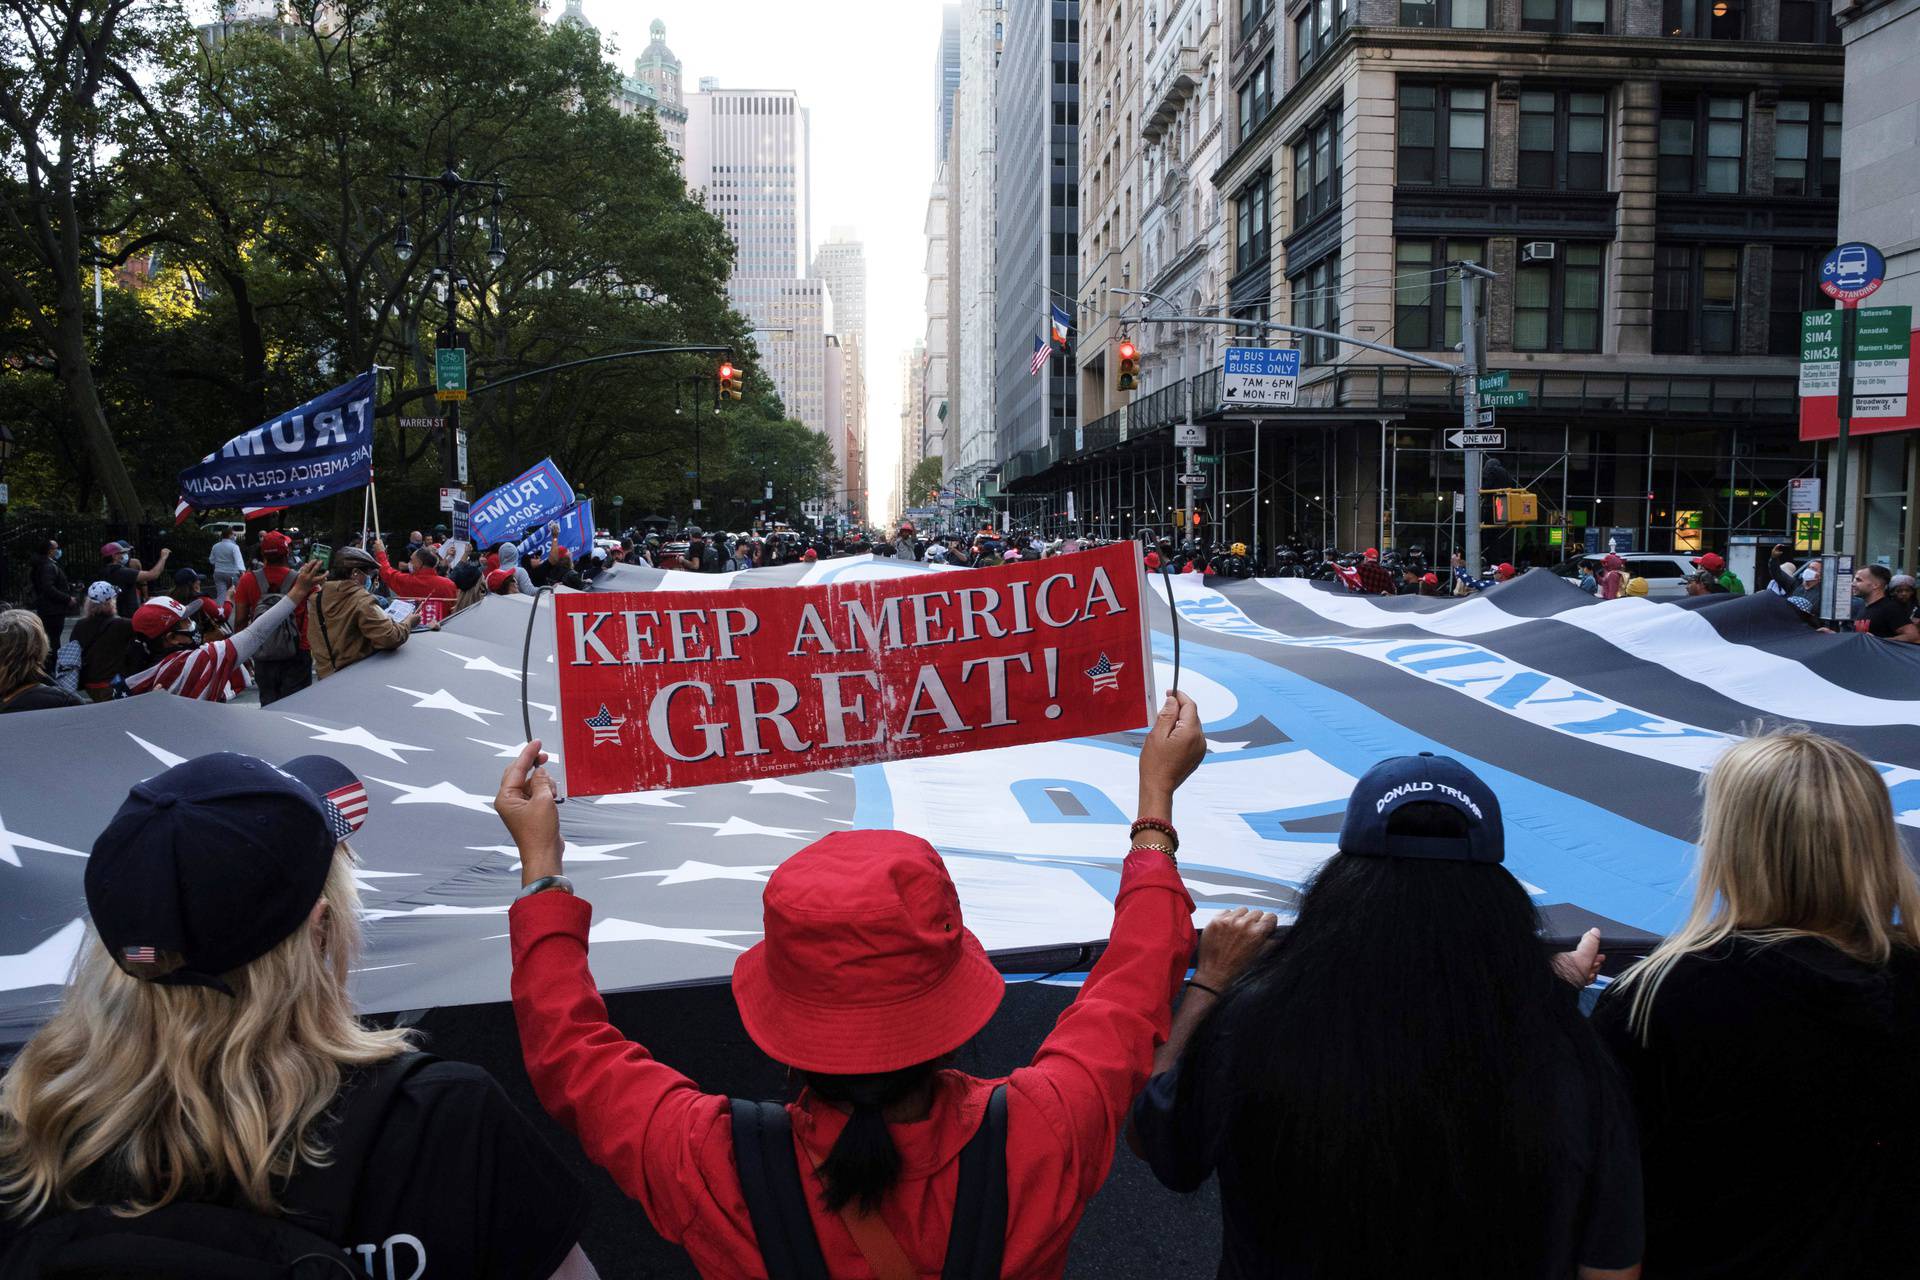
x=1556, y=301
x=1808, y=22
x=1706, y=19
x=1256, y=96
x=1696, y=299
x=1702, y=144
x=1442, y=136
x=1316, y=168
x=1444, y=13
x=1426, y=310
x=1581, y=17
x=1316, y=28
x=1806, y=148
x=1253, y=238
x=1563, y=140
x=1316, y=304
x=1252, y=13
x=1793, y=288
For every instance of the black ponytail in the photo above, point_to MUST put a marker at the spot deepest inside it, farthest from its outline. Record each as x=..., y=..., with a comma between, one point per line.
x=864, y=1164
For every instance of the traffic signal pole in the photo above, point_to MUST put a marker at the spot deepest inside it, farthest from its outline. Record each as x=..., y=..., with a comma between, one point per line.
x=1470, y=347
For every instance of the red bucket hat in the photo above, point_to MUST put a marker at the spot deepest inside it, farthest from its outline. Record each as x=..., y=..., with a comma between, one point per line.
x=866, y=966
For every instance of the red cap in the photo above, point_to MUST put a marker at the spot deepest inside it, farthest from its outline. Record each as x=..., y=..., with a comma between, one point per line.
x=158, y=616
x=499, y=578
x=112, y=549
x=812, y=555
x=1504, y=571
x=274, y=542
x=1711, y=562
x=1373, y=553
x=1431, y=579
x=867, y=966
x=1613, y=561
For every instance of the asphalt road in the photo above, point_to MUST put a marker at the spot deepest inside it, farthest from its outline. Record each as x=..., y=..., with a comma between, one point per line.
x=1133, y=1228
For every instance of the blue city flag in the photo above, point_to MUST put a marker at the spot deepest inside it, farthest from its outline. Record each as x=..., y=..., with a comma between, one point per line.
x=531, y=498
x=321, y=448
x=1062, y=325
x=576, y=532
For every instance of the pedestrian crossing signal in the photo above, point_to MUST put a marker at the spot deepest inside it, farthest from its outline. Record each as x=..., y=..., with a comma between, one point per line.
x=1509, y=506
x=1129, y=365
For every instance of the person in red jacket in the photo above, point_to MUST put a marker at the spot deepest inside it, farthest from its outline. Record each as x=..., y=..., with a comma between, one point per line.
x=867, y=980
x=425, y=582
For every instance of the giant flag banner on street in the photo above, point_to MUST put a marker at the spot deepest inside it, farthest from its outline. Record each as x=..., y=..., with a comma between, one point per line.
x=1592, y=720
x=531, y=498
x=576, y=532
x=321, y=448
x=694, y=688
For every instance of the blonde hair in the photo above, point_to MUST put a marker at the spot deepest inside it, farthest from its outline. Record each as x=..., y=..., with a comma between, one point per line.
x=143, y=1093
x=23, y=648
x=1797, y=840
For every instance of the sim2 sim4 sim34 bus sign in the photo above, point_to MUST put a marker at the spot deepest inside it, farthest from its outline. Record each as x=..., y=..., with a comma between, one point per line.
x=1259, y=378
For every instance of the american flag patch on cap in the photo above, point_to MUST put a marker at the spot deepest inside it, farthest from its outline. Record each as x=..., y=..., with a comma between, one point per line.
x=139, y=955
x=346, y=809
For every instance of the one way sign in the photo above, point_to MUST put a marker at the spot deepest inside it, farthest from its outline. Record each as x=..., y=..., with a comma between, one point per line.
x=1464, y=439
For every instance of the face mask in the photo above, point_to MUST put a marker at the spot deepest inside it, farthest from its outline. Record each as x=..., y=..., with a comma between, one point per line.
x=58, y=552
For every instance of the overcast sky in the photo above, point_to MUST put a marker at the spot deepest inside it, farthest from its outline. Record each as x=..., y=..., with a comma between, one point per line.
x=864, y=69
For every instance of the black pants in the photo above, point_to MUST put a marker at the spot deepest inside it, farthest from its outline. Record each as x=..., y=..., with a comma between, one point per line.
x=278, y=677
x=55, y=622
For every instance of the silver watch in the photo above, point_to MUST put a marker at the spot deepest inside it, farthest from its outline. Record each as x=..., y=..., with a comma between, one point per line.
x=543, y=884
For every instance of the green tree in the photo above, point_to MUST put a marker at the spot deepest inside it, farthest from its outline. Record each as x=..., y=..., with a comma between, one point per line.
x=924, y=479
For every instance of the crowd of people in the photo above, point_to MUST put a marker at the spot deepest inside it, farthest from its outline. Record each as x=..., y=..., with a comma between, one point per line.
x=1400, y=1083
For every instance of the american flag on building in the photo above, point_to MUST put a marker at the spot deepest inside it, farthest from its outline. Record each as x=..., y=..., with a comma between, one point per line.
x=1041, y=351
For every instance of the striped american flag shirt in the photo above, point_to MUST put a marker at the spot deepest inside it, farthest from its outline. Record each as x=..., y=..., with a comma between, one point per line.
x=215, y=671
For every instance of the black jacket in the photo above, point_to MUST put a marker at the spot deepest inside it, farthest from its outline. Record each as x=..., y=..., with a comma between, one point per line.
x=51, y=591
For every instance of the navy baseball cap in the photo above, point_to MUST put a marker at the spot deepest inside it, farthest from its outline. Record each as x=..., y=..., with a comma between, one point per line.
x=207, y=867
x=1423, y=779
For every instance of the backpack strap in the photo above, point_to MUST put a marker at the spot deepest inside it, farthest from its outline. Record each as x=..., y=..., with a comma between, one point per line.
x=320, y=1197
x=770, y=1183
x=977, y=1240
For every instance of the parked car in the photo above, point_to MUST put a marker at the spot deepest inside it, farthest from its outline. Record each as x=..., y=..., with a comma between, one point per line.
x=1666, y=574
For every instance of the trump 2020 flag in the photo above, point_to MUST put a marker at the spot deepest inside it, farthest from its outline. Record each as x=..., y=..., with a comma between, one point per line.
x=535, y=496
x=576, y=532
x=321, y=448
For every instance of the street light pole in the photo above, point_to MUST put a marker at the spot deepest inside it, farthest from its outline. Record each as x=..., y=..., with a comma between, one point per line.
x=451, y=187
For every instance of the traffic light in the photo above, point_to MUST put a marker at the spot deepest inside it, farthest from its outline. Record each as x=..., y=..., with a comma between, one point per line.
x=1509, y=507
x=1129, y=364
x=729, y=382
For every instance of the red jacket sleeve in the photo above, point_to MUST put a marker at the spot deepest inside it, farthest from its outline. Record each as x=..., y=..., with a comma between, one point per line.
x=637, y=1118
x=1098, y=1055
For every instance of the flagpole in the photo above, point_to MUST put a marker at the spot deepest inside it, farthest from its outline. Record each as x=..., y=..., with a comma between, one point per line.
x=372, y=498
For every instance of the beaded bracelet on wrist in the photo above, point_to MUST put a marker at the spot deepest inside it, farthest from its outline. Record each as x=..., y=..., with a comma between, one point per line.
x=1155, y=824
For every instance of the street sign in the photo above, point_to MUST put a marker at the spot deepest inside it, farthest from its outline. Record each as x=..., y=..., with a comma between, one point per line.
x=1852, y=271
x=1819, y=353
x=1189, y=435
x=1484, y=417
x=1207, y=459
x=460, y=455
x=1193, y=479
x=449, y=373
x=1496, y=381
x=1505, y=399
x=1882, y=344
x=1464, y=439
x=1259, y=377
x=4, y=495
x=1803, y=495
x=420, y=424
x=1807, y=528
x=450, y=496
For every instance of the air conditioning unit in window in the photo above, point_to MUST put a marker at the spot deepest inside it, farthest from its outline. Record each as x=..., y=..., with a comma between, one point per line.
x=1537, y=251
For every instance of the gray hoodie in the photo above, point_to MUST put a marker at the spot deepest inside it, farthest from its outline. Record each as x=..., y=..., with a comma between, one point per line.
x=510, y=560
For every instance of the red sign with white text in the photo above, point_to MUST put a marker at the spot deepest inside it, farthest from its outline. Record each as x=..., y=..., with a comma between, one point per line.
x=686, y=688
